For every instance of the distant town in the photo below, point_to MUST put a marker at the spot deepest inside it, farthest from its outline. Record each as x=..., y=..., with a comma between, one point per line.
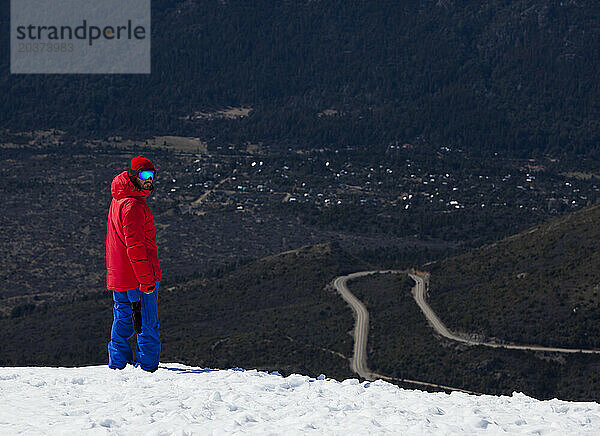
x=327, y=179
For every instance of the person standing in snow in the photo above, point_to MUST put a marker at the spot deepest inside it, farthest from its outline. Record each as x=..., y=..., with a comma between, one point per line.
x=132, y=269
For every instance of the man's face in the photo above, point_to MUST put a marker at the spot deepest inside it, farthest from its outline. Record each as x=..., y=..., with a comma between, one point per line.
x=145, y=184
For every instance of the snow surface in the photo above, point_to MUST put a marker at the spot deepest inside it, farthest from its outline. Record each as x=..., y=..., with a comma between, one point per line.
x=182, y=400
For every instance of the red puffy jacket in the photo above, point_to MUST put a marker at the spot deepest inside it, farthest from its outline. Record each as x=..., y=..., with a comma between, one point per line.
x=131, y=251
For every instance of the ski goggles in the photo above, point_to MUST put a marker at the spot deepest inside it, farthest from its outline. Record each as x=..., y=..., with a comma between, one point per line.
x=143, y=174
x=146, y=174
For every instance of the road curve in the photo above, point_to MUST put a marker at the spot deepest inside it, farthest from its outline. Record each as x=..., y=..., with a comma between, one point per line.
x=361, y=327
x=358, y=363
x=422, y=282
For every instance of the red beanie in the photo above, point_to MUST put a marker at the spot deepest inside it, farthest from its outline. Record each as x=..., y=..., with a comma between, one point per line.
x=141, y=163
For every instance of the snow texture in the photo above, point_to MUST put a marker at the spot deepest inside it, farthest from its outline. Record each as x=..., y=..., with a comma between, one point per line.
x=182, y=400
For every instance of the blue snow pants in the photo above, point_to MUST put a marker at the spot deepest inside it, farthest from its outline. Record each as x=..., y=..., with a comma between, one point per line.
x=148, y=349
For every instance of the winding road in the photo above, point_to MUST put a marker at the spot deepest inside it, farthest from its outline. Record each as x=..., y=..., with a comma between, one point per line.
x=358, y=363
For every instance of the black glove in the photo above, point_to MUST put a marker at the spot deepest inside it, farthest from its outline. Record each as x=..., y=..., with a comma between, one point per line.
x=136, y=315
x=147, y=289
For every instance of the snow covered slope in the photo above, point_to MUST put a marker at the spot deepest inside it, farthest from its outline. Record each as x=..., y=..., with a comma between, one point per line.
x=182, y=400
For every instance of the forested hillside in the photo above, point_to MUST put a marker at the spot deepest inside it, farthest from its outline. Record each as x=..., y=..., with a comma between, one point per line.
x=516, y=75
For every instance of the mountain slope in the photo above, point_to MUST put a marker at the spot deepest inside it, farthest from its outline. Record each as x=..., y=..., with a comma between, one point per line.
x=540, y=286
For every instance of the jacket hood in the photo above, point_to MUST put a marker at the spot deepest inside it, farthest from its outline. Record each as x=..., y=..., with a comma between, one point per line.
x=122, y=187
